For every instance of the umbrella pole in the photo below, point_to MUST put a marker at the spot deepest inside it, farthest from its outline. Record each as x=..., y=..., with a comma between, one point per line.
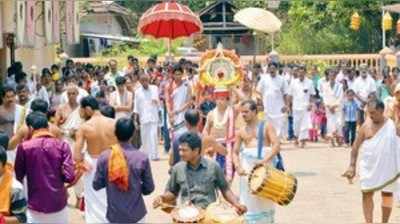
x=272, y=40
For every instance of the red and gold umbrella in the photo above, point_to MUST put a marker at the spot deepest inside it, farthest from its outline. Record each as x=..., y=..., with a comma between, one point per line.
x=169, y=20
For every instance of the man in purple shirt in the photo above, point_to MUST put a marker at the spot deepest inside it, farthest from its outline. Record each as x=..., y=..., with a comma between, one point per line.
x=125, y=206
x=47, y=164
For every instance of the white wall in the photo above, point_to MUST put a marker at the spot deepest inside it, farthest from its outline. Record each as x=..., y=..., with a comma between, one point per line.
x=41, y=55
x=100, y=24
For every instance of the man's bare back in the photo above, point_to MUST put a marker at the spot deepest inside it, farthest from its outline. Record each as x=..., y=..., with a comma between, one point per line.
x=23, y=134
x=98, y=133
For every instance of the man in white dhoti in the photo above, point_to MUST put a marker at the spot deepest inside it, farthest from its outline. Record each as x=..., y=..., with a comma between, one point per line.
x=12, y=116
x=179, y=100
x=252, y=149
x=363, y=86
x=68, y=119
x=73, y=80
x=380, y=160
x=273, y=89
x=146, y=107
x=121, y=99
x=332, y=95
x=301, y=90
x=98, y=134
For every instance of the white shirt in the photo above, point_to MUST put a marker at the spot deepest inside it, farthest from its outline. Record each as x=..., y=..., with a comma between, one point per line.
x=288, y=77
x=301, y=93
x=332, y=96
x=110, y=78
x=181, y=95
x=43, y=95
x=364, y=87
x=118, y=100
x=81, y=94
x=340, y=76
x=350, y=83
x=273, y=91
x=144, y=105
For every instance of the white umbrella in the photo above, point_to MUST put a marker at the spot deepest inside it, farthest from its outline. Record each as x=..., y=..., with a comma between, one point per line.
x=259, y=19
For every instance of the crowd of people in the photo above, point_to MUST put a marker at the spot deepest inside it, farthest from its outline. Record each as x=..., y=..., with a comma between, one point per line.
x=95, y=129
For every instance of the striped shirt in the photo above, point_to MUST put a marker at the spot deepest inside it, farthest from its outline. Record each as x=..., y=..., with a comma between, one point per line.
x=18, y=204
x=350, y=110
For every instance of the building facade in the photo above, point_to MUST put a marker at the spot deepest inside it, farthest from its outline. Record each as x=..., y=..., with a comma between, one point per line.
x=32, y=30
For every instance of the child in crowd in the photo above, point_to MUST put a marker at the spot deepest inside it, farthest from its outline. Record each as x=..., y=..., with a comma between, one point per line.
x=350, y=109
x=317, y=115
x=207, y=104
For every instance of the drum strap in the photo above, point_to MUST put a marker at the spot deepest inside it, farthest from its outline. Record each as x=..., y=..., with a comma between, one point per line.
x=278, y=160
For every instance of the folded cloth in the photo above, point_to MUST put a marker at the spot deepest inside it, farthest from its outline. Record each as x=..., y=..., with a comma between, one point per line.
x=5, y=190
x=118, y=172
x=380, y=159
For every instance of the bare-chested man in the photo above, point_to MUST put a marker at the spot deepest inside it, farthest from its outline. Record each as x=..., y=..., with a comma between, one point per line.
x=23, y=132
x=256, y=143
x=392, y=110
x=98, y=134
x=220, y=126
x=67, y=115
x=380, y=160
x=68, y=119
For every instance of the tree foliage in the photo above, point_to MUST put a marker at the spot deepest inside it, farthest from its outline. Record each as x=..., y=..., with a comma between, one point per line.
x=312, y=26
x=315, y=27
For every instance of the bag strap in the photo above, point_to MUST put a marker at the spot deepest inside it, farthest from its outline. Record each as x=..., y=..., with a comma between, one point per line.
x=260, y=139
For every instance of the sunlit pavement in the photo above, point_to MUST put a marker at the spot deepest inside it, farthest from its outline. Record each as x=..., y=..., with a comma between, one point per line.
x=323, y=196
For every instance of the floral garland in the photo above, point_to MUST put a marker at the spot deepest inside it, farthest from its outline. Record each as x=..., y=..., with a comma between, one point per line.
x=218, y=122
x=208, y=57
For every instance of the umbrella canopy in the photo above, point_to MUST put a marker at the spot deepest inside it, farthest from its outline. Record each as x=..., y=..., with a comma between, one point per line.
x=259, y=20
x=169, y=20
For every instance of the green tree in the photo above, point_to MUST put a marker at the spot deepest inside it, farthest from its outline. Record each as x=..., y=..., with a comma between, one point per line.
x=315, y=27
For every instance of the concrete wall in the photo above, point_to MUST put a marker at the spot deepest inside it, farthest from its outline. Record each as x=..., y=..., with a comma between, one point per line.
x=100, y=24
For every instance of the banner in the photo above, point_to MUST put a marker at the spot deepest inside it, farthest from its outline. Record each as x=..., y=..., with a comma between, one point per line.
x=76, y=22
x=56, y=21
x=30, y=23
x=69, y=20
x=20, y=34
x=48, y=19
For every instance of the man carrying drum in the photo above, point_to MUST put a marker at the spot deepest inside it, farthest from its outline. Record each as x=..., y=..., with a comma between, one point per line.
x=196, y=179
x=250, y=150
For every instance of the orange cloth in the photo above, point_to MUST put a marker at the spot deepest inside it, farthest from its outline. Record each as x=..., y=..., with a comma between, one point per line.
x=118, y=172
x=5, y=190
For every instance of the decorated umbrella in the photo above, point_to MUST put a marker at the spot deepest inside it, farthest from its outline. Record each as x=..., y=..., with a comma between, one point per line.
x=169, y=20
x=259, y=20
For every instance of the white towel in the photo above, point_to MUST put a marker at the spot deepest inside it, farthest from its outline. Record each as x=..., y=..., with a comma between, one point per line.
x=380, y=159
x=55, y=217
x=95, y=201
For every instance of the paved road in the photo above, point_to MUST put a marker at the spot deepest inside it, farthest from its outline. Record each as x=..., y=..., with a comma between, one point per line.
x=323, y=196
